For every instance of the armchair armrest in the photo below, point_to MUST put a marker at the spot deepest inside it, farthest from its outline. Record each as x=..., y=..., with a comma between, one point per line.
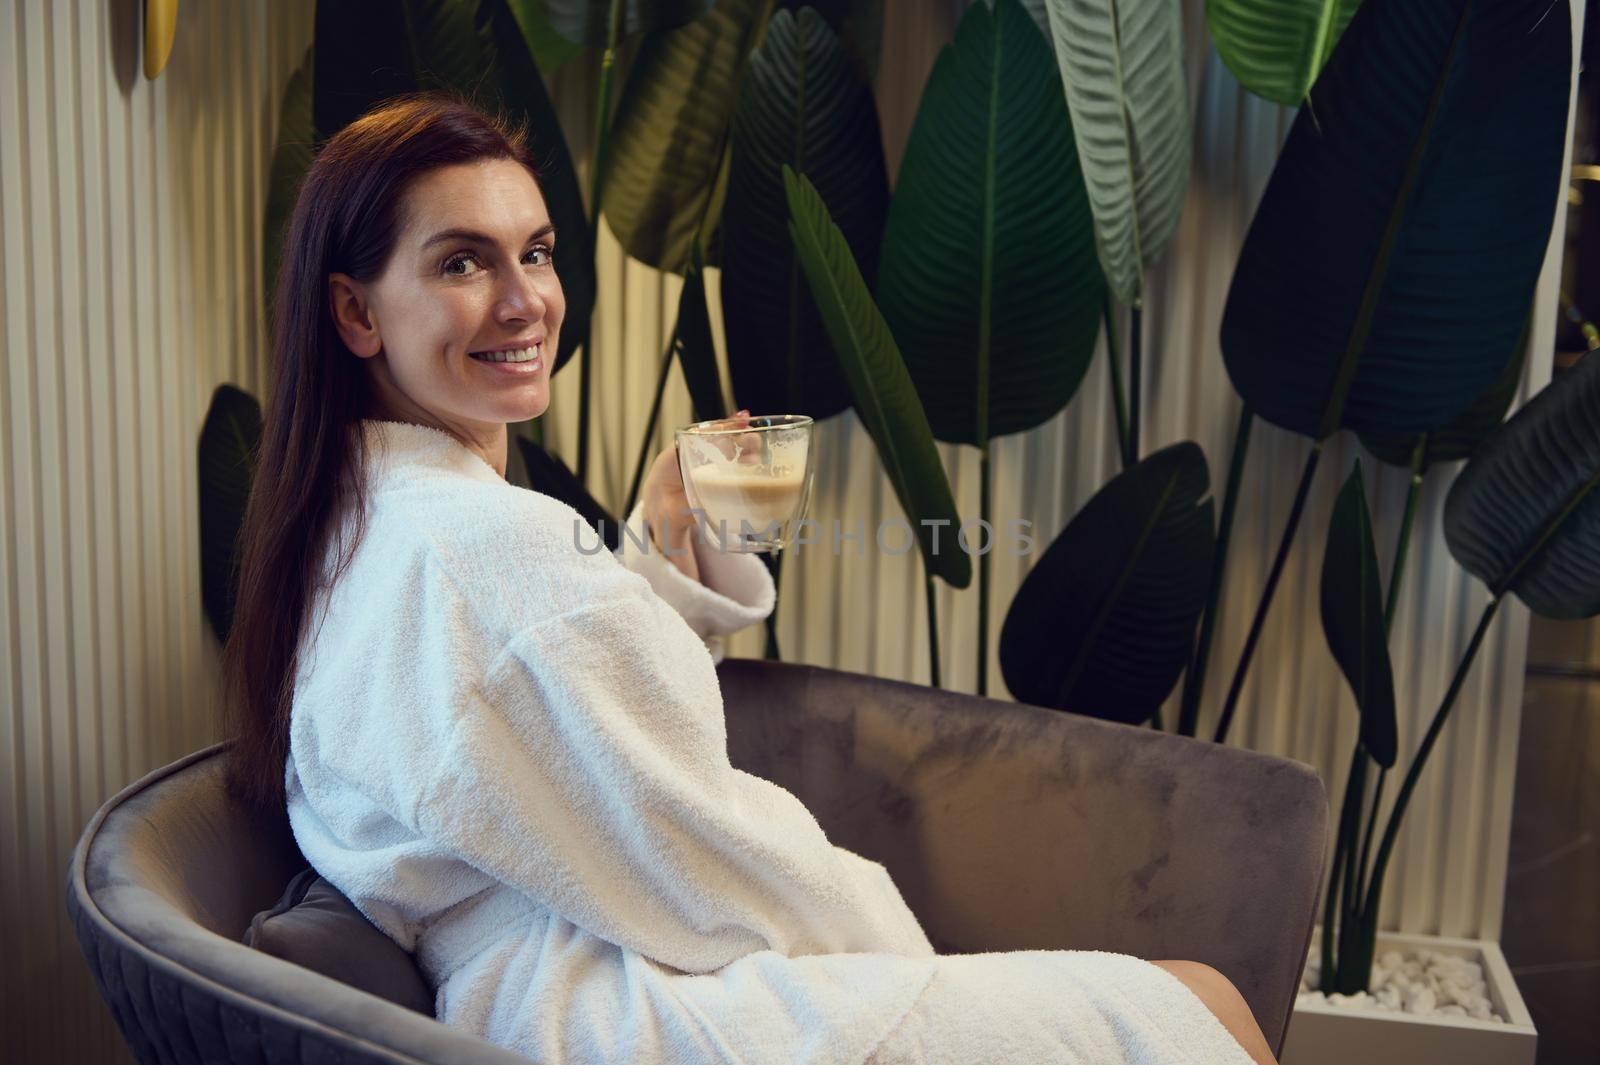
x=1011, y=827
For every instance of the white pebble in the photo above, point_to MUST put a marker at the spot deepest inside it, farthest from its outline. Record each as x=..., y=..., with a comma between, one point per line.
x=1421, y=983
x=1420, y=1000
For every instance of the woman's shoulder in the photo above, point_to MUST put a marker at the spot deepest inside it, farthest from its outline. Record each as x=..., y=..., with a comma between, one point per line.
x=516, y=554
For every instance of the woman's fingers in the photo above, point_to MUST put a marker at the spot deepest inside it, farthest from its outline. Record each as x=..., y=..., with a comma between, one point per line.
x=745, y=448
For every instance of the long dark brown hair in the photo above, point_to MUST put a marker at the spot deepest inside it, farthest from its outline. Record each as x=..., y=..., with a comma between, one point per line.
x=311, y=457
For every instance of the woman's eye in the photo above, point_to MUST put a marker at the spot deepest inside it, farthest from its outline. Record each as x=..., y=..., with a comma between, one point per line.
x=463, y=258
x=546, y=250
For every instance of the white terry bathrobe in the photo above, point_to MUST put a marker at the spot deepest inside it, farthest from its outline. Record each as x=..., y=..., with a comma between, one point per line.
x=507, y=748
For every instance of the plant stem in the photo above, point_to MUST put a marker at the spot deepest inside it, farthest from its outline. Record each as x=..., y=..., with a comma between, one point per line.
x=1413, y=495
x=1276, y=572
x=1392, y=829
x=602, y=126
x=774, y=561
x=1355, y=791
x=1194, y=678
x=646, y=446
x=1134, y=372
x=1118, y=404
x=933, y=624
x=1330, y=910
x=983, y=573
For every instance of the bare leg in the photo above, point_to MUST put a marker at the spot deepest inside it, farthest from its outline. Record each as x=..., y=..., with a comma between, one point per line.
x=1224, y=1000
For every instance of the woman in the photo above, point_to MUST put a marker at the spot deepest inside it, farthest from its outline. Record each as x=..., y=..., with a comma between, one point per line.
x=509, y=751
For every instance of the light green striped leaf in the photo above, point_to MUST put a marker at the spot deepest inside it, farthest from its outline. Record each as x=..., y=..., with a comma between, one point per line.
x=1122, y=66
x=1276, y=48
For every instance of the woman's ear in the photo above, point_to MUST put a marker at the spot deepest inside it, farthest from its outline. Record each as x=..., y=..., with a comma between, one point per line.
x=355, y=320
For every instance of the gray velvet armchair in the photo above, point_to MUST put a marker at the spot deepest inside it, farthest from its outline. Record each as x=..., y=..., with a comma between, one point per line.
x=1007, y=827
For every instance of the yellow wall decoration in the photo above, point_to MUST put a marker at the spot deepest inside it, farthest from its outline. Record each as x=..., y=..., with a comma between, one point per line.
x=160, y=26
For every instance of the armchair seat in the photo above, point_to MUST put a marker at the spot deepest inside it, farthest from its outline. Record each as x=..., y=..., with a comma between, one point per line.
x=1006, y=827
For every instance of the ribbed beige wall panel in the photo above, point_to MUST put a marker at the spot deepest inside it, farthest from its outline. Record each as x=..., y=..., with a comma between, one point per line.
x=129, y=289
x=130, y=286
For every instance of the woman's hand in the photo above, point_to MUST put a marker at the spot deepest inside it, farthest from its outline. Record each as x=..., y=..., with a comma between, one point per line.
x=673, y=527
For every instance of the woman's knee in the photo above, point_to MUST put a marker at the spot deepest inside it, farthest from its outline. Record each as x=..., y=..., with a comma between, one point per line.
x=1225, y=1002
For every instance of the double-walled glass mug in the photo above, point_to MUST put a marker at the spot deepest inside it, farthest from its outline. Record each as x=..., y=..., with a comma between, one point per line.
x=751, y=482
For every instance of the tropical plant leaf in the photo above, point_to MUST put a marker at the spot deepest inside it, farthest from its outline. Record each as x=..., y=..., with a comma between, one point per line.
x=1352, y=617
x=292, y=156
x=1524, y=514
x=1038, y=10
x=1122, y=64
x=1466, y=430
x=547, y=474
x=803, y=103
x=450, y=50
x=1391, y=263
x=226, y=457
x=1276, y=48
x=670, y=131
x=362, y=57
x=885, y=397
x=989, y=278
x=549, y=49
x=1104, y=623
x=859, y=24
x=694, y=347
x=587, y=21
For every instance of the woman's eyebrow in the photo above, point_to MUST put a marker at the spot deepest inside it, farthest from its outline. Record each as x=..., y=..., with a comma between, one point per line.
x=480, y=238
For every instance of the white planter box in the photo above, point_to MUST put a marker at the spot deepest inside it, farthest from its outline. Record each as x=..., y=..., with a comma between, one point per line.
x=1321, y=1034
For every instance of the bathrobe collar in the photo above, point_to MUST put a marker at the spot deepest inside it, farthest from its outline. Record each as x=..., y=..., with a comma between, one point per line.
x=394, y=446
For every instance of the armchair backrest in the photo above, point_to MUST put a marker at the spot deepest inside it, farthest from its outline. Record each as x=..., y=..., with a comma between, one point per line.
x=1011, y=827
x=162, y=885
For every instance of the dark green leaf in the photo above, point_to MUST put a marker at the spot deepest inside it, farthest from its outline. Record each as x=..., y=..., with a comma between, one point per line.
x=587, y=21
x=1524, y=514
x=291, y=158
x=803, y=104
x=550, y=50
x=989, y=276
x=1392, y=260
x=859, y=24
x=884, y=395
x=1352, y=617
x=547, y=474
x=1104, y=622
x=1467, y=429
x=697, y=353
x=228, y=440
x=362, y=56
x=670, y=131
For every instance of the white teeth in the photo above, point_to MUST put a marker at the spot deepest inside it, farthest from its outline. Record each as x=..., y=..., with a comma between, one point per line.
x=525, y=355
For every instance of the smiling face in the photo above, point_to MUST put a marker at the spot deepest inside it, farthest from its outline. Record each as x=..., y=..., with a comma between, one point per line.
x=472, y=273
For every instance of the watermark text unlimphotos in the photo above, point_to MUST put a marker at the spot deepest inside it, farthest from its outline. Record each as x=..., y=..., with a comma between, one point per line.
x=894, y=536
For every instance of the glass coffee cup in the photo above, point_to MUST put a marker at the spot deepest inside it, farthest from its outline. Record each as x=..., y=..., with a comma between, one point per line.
x=749, y=481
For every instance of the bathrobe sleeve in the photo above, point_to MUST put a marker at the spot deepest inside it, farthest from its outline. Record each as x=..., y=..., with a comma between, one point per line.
x=735, y=588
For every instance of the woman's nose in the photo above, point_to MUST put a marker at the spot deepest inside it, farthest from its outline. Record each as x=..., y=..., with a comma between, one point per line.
x=521, y=298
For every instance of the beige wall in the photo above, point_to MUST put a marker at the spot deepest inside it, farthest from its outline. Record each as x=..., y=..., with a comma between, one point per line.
x=130, y=288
